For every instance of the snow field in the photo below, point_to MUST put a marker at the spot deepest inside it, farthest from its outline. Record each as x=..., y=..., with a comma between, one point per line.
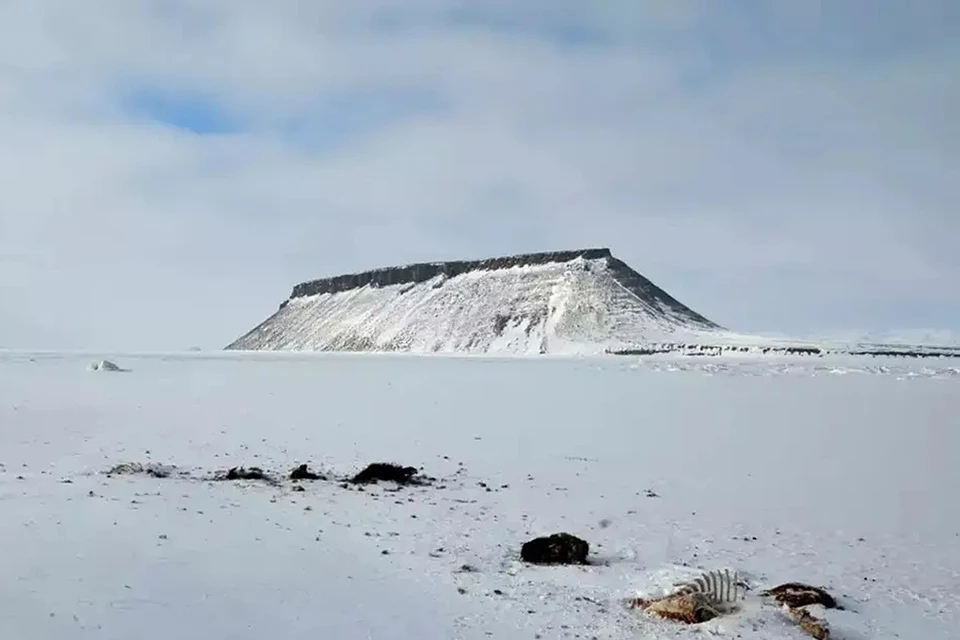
x=782, y=473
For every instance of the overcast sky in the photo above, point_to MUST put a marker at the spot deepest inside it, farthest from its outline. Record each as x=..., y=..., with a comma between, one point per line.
x=169, y=169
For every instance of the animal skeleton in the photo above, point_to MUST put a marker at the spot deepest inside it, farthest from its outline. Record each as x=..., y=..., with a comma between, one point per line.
x=720, y=586
x=698, y=600
x=707, y=595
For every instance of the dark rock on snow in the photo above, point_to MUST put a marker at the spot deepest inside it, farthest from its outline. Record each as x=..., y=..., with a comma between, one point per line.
x=389, y=472
x=303, y=472
x=559, y=548
x=243, y=473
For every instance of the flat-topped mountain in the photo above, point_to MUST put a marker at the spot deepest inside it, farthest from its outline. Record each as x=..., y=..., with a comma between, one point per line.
x=583, y=301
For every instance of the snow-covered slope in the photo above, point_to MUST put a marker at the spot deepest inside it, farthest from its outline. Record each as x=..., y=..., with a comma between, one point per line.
x=782, y=470
x=579, y=301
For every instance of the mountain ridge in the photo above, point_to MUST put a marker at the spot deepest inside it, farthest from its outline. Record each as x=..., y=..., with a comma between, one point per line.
x=424, y=271
x=580, y=300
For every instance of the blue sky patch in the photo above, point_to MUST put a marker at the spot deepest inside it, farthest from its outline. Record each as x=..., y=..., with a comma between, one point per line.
x=191, y=111
x=323, y=122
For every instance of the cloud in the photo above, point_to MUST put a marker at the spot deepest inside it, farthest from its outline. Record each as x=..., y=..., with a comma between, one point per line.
x=173, y=168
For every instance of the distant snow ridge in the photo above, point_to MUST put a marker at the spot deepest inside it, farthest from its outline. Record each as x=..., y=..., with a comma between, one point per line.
x=563, y=302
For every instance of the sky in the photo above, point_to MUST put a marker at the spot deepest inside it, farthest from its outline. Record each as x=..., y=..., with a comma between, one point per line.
x=171, y=168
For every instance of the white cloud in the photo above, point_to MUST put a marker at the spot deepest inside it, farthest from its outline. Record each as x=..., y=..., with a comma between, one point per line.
x=760, y=171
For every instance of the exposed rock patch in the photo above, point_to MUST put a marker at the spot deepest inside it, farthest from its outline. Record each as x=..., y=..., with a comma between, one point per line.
x=558, y=548
x=303, y=472
x=244, y=473
x=416, y=273
x=390, y=472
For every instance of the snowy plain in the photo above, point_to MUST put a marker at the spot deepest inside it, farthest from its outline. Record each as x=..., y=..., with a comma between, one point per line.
x=840, y=472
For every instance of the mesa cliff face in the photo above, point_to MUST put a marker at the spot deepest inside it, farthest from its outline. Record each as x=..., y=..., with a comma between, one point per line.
x=560, y=302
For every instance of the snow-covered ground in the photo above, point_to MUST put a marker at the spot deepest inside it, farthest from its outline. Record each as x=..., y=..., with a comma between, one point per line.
x=783, y=469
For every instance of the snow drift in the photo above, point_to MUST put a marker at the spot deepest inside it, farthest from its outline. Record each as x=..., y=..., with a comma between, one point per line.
x=105, y=365
x=583, y=301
